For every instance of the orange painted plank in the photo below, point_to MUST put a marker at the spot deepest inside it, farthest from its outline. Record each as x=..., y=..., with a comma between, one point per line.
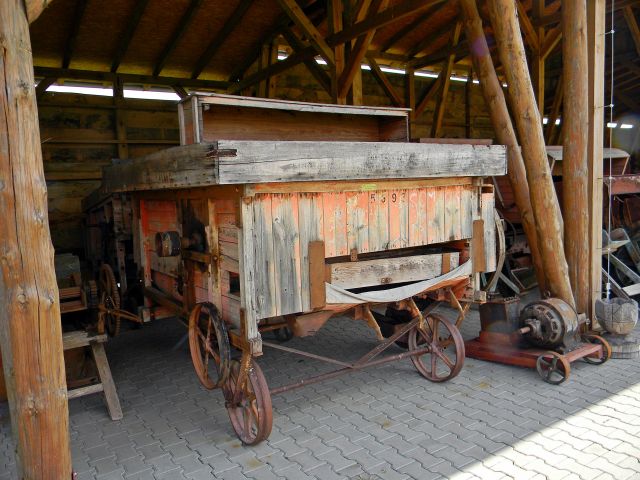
x=340, y=224
x=452, y=222
x=329, y=228
x=398, y=218
x=378, y=221
x=357, y=221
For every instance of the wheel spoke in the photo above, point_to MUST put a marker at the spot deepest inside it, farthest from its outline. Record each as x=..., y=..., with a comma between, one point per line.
x=445, y=359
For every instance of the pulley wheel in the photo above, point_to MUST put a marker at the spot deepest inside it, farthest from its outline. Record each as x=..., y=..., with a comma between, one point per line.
x=249, y=404
x=553, y=367
x=606, y=349
x=445, y=357
x=209, y=345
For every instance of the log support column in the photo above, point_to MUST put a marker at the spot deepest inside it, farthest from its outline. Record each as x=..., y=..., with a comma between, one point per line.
x=501, y=121
x=575, y=173
x=544, y=201
x=30, y=329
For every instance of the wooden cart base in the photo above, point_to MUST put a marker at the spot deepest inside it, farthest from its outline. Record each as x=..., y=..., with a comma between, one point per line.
x=553, y=367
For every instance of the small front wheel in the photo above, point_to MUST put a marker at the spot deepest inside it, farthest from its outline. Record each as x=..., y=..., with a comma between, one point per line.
x=606, y=349
x=553, y=368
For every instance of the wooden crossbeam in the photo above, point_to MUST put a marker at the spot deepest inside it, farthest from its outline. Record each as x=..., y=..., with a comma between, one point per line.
x=429, y=94
x=276, y=29
x=127, y=35
x=282, y=66
x=70, y=46
x=428, y=40
x=555, y=112
x=551, y=40
x=320, y=75
x=215, y=44
x=630, y=18
x=43, y=85
x=384, y=82
x=358, y=52
x=530, y=34
x=295, y=13
x=403, y=32
x=109, y=77
x=389, y=15
x=177, y=35
x=447, y=66
x=335, y=14
x=180, y=91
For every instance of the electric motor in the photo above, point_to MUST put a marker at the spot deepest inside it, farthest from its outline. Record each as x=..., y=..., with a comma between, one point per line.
x=551, y=323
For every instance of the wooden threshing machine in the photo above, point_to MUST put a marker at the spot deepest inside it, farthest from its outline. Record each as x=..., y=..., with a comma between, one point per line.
x=278, y=214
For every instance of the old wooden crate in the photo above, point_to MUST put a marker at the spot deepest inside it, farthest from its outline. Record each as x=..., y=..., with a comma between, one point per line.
x=244, y=236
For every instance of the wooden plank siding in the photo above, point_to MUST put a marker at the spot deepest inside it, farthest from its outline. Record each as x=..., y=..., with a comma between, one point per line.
x=368, y=221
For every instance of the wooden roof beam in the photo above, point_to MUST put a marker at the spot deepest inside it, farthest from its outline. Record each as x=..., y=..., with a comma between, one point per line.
x=126, y=37
x=178, y=33
x=43, y=84
x=630, y=18
x=295, y=13
x=429, y=95
x=109, y=77
x=403, y=32
x=318, y=73
x=213, y=47
x=384, y=82
x=551, y=41
x=358, y=52
x=527, y=27
x=81, y=6
x=428, y=40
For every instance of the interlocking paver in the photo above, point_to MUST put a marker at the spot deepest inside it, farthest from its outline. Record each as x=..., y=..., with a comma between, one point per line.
x=491, y=422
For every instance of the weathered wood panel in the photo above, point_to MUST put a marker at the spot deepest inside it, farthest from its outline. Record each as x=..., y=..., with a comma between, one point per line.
x=310, y=222
x=488, y=215
x=386, y=271
x=259, y=162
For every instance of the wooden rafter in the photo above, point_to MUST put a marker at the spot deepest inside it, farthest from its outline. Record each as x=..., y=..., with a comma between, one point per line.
x=43, y=85
x=428, y=40
x=127, y=35
x=630, y=18
x=530, y=34
x=70, y=46
x=551, y=41
x=384, y=82
x=429, y=94
x=318, y=73
x=215, y=44
x=297, y=15
x=403, y=32
x=177, y=35
x=389, y=15
x=358, y=52
x=447, y=66
x=555, y=112
x=283, y=21
x=291, y=61
x=108, y=77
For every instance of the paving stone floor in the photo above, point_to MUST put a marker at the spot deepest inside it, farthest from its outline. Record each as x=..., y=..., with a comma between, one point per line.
x=490, y=422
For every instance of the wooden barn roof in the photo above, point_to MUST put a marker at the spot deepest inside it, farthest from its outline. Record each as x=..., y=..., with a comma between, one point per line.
x=210, y=43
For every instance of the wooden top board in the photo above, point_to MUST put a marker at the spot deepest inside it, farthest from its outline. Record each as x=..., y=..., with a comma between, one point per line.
x=212, y=117
x=231, y=162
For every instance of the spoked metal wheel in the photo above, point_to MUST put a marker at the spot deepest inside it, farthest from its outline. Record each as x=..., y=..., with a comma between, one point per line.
x=606, y=349
x=248, y=403
x=553, y=367
x=209, y=345
x=445, y=357
x=109, y=299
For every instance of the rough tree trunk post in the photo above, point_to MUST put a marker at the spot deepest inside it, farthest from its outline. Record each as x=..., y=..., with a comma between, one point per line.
x=501, y=121
x=575, y=172
x=596, y=26
x=30, y=329
x=544, y=202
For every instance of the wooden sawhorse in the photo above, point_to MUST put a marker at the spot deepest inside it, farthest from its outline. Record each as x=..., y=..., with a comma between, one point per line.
x=80, y=338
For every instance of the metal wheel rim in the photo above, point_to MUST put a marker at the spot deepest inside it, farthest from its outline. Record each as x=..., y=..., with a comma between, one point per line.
x=606, y=349
x=210, y=343
x=438, y=346
x=553, y=368
x=252, y=417
x=111, y=322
